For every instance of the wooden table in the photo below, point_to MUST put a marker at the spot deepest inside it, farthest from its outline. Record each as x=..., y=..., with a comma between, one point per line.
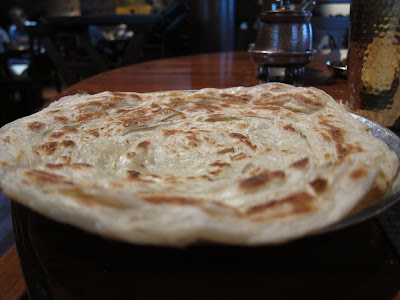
x=194, y=72
x=217, y=70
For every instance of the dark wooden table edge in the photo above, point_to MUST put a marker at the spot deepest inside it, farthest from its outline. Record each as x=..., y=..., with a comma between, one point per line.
x=12, y=284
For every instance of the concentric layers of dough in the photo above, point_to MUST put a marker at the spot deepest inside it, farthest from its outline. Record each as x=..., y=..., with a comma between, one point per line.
x=256, y=165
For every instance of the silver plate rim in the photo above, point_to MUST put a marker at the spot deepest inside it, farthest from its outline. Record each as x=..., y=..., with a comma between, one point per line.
x=393, y=196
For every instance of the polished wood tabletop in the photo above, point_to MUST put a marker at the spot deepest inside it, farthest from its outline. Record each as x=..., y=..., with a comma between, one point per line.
x=217, y=70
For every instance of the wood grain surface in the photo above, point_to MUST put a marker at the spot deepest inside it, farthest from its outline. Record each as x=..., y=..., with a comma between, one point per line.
x=217, y=70
x=12, y=284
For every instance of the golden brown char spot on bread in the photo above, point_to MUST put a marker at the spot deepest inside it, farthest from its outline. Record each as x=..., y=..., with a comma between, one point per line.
x=271, y=107
x=173, y=200
x=207, y=96
x=130, y=154
x=336, y=133
x=268, y=98
x=206, y=177
x=135, y=117
x=54, y=111
x=209, y=140
x=176, y=102
x=87, y=104
x=238, y=99
x=210, y=108
x=6, y=140
x=288, y=114
x=54, y=166
x=44, y=178
x=219, y=164
x=122, y=110
x=249, y=113
x=168, y=111
x=226, y=150
x=310, y=92
x=90, y=116
x=94, y=132
x=244, y=139
x=62, y=119
x=74, y=166
x=289, y=127
x=300, y=164
x=169, y=132
x=155, y=106
x=356, y=148
x=135, y=96
x=81, y=166
x=325, y=137
x=359, y=173
x=6, y=164
x=239, y=156
x=35, y=126
x=343, y=150
x=267, y=149
x=66, y=159
x=57, y=135
x=127, y=122
x=319, y=185
x=192, y=136
x=143, y=145
x=329, y=119
x=68, y=143
x=301, y=202
x=306, y=101
x=281, y=99
x=215, y=173
x=100, y=104
x=260, y=179
x=153, y=175
x=49, y=147
x=243, y=125
x=122, y=94
x=278, y=87
x=135, y=113
x=70, y=130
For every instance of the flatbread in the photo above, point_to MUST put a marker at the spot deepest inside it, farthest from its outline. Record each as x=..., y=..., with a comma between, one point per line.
x=244, y=165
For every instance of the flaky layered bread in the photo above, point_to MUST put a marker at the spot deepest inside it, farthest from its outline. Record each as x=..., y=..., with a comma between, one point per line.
x=249, y=166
